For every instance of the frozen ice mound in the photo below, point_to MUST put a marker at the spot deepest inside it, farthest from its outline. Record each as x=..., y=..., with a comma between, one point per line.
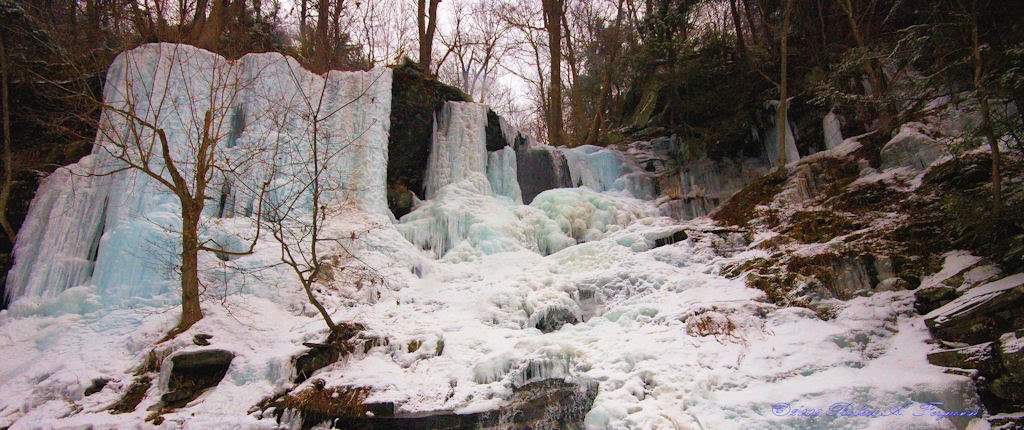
x=466, y=211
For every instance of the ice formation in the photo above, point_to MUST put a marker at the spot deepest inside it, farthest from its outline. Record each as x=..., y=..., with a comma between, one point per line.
x=459, y=146
x=503, y=175
x=493, y=293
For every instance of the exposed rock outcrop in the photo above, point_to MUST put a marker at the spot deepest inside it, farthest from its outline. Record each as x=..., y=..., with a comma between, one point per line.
x=552, y=404
x=188, y=374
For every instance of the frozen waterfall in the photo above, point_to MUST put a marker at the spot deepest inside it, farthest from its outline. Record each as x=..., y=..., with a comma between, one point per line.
x=97, y=223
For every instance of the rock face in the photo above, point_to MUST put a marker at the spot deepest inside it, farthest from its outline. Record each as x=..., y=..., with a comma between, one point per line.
x=552, y=404
x=320, y=355
x=931, y=298
x=981, y=357
x=187, y=374
x=540, y=169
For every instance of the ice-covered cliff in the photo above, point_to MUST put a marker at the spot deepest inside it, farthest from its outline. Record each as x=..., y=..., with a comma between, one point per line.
x=98, y=222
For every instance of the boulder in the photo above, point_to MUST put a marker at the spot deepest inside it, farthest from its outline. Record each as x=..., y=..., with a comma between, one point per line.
x=338, y=344
x=540, y=169
x=188, y=374
x=1011, y=353
x=911, y=148
x=981, y=357
x=677, y=236
x=551, y=404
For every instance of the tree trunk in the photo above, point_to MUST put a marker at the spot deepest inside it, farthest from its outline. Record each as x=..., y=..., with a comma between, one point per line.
x=781, y=121
x=191, y=312
x=576, y=104
x=741, y=45
x=8, y=178
x=426, y=21
x=750, y=23
x=986, y=116
x=303, y=14
x=321, y=50
x=553, y=20
x=606, y=80
x=873, y=70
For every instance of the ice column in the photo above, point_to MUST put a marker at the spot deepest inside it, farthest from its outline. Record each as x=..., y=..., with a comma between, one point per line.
x=501, y=172
x=832, y=130
x=458, y=146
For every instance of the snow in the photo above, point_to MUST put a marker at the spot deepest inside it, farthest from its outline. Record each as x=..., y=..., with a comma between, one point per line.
x=471, y=275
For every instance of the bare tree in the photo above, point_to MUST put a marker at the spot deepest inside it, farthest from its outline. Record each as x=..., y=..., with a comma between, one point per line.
x=475, y=44
x=783, y=118
x=134, y=137
x=553, y=11
x=614, y=43
x=986, y=111
x=386, y=34
x=315, y=253
x=871, y=66
x=8, y=155
x=528, y=26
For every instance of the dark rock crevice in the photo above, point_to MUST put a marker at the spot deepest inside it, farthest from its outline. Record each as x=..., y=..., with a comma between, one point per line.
x=194, y=372
x=415, y=99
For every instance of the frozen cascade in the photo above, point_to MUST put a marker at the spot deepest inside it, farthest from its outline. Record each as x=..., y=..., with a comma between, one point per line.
x=771, y=137
x=458, y=146
x=252, y=98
